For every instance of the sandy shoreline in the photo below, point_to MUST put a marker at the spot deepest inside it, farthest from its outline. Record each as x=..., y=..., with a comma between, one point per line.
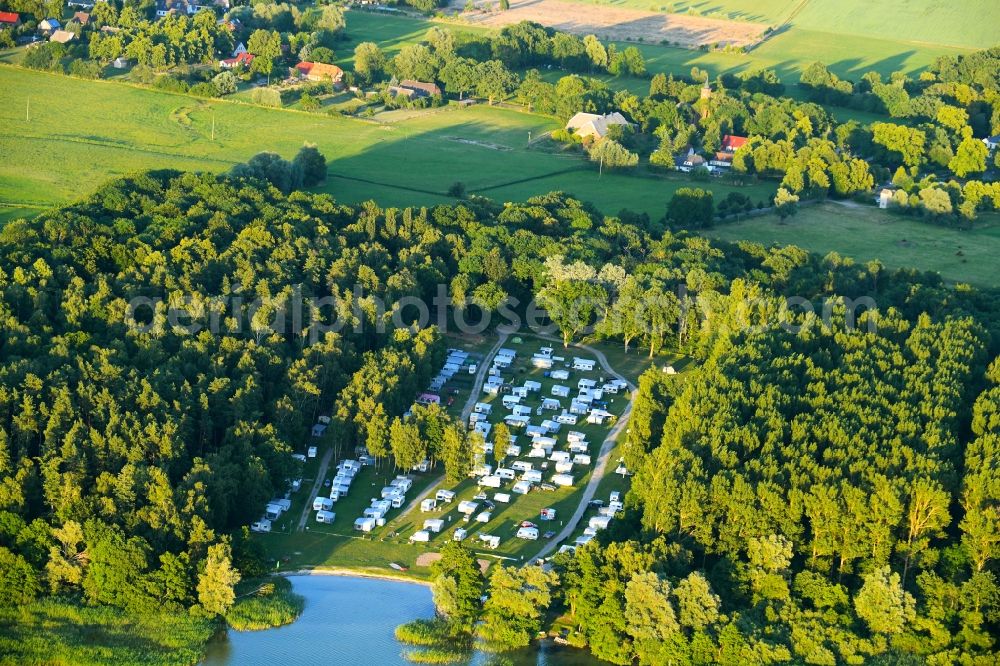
x=355, y=573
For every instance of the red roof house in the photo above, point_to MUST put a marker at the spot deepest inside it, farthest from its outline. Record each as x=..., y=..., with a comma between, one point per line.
x=9, y=18
x=317, y=71
x=243, y=59
x=733, y=143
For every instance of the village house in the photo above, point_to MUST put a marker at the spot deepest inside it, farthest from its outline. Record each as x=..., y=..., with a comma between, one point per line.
x=82, y=4
x=48, y=26
x=409, y=89
x=992, y=142
x=689, y=161
x=62, y=36
x=319, y=71
x=242, y=60
x=723, y=159
x=83, y=18
x=593, y=125
x=9, y=20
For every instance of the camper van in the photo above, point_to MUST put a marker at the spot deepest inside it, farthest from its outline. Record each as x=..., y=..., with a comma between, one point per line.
x=516, y=421
x=559, y=456
x=445, y=495
x=562, y=479
x=599, y=522
x=509, y=401
x=532, y=475
x=547, y=443
x=566, y=418
x=574, y=436
x=551, y=426
x=274, y=511
x=581, y=459
x=533, y=386
x=560, y=391
x=551, y=404
x=467, y=507
x=483, y=408
x=513, y=450
x=579, y=447
x=492, y=481
x=311, y=452
x=521, y=465
x=584, y=364
x=559, y=375
x=586, y=384
x=530, y=533
x=564, y=466
x=420, y=536
x=262, y=525
x=322, y=504
x=434, y=525
x=460, y=534
x=541, y=362
x=521, y=487
x=325, y=517
x=579, y=408
x=428, y=504
x=506, y=474
x=537, y=452
x=364, y=524
x=502, y=498
x=521, y=411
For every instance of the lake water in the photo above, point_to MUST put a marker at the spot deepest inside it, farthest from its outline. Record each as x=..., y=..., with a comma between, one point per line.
x=350, y=621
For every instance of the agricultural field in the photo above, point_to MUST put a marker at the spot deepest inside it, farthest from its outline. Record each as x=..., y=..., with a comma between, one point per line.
x=866, y=233
x=64, y=151
x=616, y=23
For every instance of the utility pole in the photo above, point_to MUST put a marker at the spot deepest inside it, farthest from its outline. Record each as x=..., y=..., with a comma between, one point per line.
x=600, y=170
x=213, y=124
x=529, y=138
x=27, y=111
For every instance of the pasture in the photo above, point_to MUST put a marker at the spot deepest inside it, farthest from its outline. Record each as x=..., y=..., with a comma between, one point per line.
x=65, y=151
x=866, y=233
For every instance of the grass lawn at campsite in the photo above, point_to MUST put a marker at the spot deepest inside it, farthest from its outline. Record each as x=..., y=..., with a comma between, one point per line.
x=506, y=517
x=866, y=233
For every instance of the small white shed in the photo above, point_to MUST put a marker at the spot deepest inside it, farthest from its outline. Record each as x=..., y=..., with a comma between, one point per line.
x=434, y=525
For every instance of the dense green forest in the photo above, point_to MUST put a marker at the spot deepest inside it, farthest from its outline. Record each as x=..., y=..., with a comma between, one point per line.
x=822, y=494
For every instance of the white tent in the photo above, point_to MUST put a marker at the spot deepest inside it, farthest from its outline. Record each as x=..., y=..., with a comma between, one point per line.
x=433, y=525
x=421, y=536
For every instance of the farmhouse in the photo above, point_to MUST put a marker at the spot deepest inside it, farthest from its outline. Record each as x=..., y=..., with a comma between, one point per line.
x=419, y=88
x=83, y=18
x=688, y=162
x=591, y=124
x=730, y=143
x=320, y=71
x=49, y=25
x=62, y=36
x=9, y=20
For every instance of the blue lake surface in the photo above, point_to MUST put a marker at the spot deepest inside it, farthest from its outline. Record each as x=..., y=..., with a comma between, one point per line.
x=350, y=622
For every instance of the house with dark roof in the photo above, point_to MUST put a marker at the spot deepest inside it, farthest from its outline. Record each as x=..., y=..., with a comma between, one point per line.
x=992, y=142
x=83, y=18
x=420, y=89
x=689, y=161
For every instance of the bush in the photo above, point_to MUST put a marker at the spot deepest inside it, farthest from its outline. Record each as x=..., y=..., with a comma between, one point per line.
x=308, y=103
x=273, y=604
x=427, y=633
x=457, y=190
x=167, y=82
x=435, y=656
x=613, y=155
x=204, y=90
x=225, y=83
x=266, y=97
x=86, y=69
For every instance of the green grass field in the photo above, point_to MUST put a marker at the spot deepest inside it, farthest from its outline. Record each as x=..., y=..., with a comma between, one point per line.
x=64, y=151
x=868, y=233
